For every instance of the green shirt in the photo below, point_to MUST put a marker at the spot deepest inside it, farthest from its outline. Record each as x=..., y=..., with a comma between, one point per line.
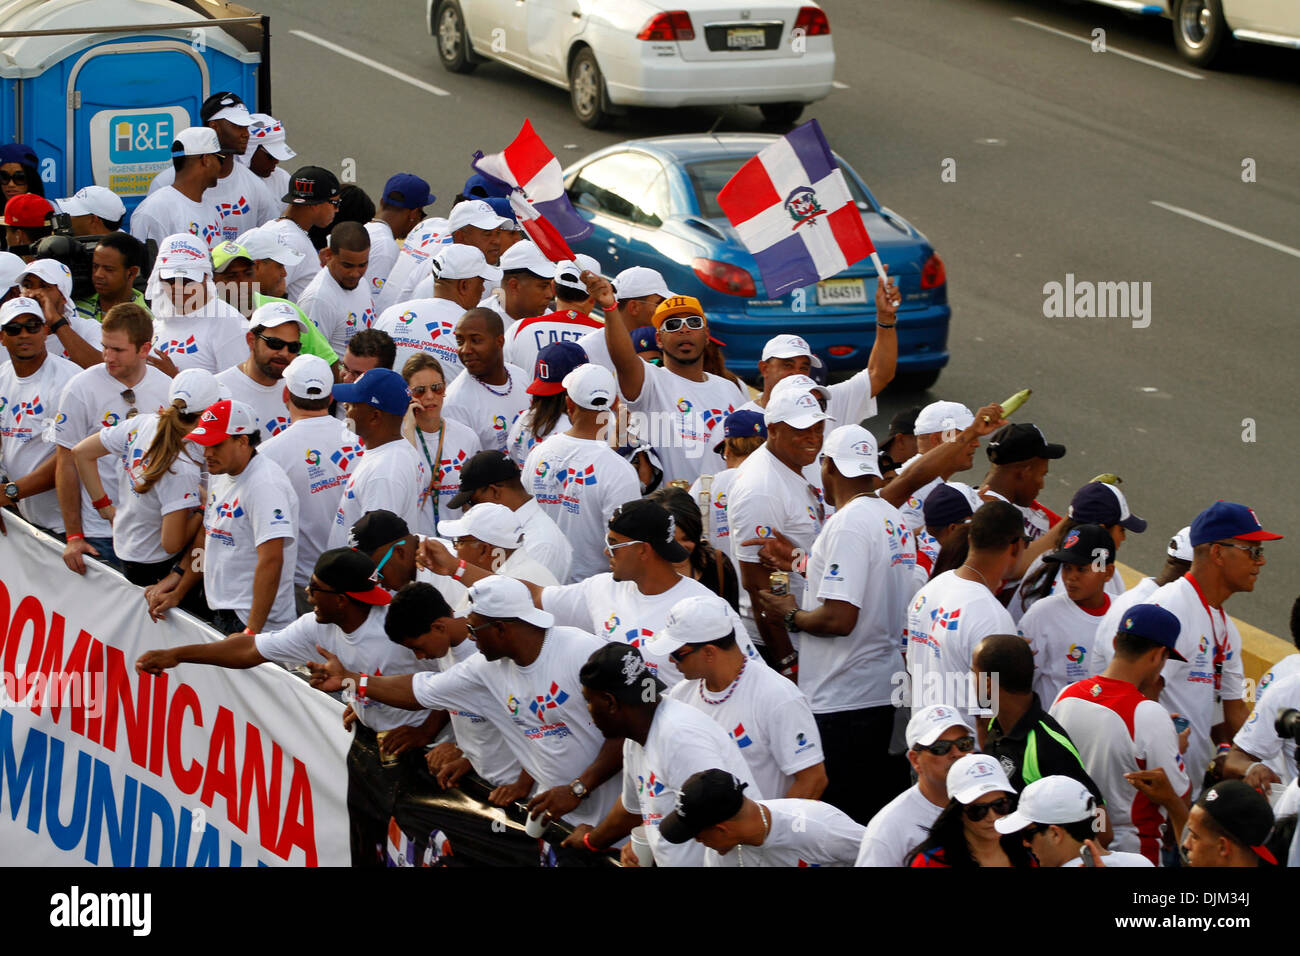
x=313, y=342
x=89, y=306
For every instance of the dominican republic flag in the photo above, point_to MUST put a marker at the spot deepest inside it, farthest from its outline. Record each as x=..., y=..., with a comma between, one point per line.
x=532, y=174
x=794, y=213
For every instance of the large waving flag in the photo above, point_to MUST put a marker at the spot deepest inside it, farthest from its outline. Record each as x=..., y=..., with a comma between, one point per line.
x=531, y=173
x=794, y=212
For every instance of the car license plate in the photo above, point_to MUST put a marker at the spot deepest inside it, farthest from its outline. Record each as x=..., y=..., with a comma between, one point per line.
x=842, y=292
x=746, y=38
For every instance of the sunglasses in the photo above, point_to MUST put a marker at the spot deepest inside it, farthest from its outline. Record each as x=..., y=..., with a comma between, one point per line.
x=1002, y=806
x=31, y=325
x=1256, y=552
x=18, y=179
x=1028, y=833
x=320, y=589
x=940, y=747
x=128, y=396
x=611, y=546
x=418, y=390
x=276, y=344
x=473, y=631
x=692, y=322
x=681, y=653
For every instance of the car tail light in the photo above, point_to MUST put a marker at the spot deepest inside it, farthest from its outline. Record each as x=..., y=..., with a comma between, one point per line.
x=839, y=351
x=812, y=21
x=932, y=273
x=724, y=277
x=672, y=25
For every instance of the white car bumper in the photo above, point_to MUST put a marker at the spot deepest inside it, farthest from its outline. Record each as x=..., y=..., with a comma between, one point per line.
x=672, y=81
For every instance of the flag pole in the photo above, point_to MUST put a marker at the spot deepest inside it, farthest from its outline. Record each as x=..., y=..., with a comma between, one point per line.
x=881, y=275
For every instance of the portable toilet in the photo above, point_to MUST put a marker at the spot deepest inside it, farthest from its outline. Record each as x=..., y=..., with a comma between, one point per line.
x=100, y=88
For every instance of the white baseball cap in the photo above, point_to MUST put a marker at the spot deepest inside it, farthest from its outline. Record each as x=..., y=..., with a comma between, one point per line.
x=526, y=255
x=273, y=314
x=491, y=523
x=797, y=408
x=943, y=416
x=181, y=251
x=975, y=775
x=1056, y=799
x=853, y=449
x=789, y=346
x=638, y=281
x=196, y=141
x=309, y=376
x=1180, y=545
x=11, y=270
x=928, y=723
x=20, y=305
x=802, y=383
x=591, y=386
x=501, y=598
x=236, y=113
x=196, y=387
x=569, y=272
x=264, y=242
x=94, y=201
x=53, y=272
x=693, y=620
x=268, y=132
x=457, y=261
x=474, y=212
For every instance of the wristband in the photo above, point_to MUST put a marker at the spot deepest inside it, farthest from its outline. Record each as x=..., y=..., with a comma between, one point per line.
x=76, y=537
x=249, y=632
x=103, y=502
x=58, y=325
x=790, y=660
x=460, y=571
x=178, y=570
x=361, y=686
x=586, y=841
x=792, y=671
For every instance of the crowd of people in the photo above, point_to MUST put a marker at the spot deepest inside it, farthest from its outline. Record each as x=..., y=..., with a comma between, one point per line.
x=527, y=525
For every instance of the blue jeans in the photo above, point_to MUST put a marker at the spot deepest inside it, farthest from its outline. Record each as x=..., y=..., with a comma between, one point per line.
x=106, y=553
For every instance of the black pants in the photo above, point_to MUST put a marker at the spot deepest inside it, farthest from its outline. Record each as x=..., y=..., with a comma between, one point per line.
x=863, y=776
x=373, y=790
x=145, y=575
x=227, y=622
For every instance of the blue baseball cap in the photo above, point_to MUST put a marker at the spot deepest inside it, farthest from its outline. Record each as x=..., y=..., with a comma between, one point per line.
x=643, y=339
x=406, y=191
x=1099, y=502
x=1154, y=623
x=946, y=505
x=742, y=424
x=501, y=206
x=554, y=362
x=381, y=388
x=1227, y=519
x=479, y=186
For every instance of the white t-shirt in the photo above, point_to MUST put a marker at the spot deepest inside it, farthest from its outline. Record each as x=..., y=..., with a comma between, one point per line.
x=1113, y=858
x=339, y=313
x=680, y=417
x=597, y=349
x=717, y=530
x=1020, y=603
x=211, y=338
x=482, y=744
x=458, y=444
x=1103, y=641
x=317, y=454
x=1282, y=669
x=383, y=254
x=87, y=328
x=300, y=275
x=865, y=555
x=391, y=477
x=1061, y=634
x=489, y=410
x=529, y=336
x=914, y=508
x=137, y=526
x=539, y=709
x=618, y=611
x=544, y=540
x=244, y=511
x=579, y=482
x=1257, y=736
x=242, y=199
x=266, y=401
x=769, y=719
x=801, y=833
x=366, y=650
x=681, y=742
x=521, y=439
x=424, y=325
x=28, y=410
x=1117, y=731
x=93, y=400
x=898, y=828
x=420, y=244
x=946, y=619
x=169, y=211
x=1189, y=687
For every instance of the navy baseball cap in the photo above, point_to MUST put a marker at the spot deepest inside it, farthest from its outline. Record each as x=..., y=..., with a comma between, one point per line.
x=501, y=206
x=742, y=424
x=406, y=191
x=479, y=186
x=946, y=505
x=1227, y=519
x=381, y=388
x=553, y=363
x=643, y=339
x=1154, y=623
x=1082, y=544
x=1098, y=502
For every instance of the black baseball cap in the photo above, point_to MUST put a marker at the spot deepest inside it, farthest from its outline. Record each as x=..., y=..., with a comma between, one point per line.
x=904, y=423
x=1020, y=442
x=352, y=573
x=619, y=669
x=707, y=798
x=485, y=468
x=1081, y=545
x=1239, y=810
x=311, y=184
x=946, y=505
x=375, y=529
x=648, y=521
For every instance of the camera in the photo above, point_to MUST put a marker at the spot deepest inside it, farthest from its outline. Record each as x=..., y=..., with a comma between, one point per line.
x=1287, y=724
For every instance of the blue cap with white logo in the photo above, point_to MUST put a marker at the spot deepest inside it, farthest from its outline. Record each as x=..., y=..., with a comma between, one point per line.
x=1154, y=623
x=1227, y=519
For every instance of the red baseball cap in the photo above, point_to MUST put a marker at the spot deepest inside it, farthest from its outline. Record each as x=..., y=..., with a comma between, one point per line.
x=27, y=211
x=218, y=422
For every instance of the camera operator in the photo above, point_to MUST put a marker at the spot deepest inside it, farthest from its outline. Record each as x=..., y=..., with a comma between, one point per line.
x=116, y=264
x=93, y=211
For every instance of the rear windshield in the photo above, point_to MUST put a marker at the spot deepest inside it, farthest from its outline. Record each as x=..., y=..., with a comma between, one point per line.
x=707, y=176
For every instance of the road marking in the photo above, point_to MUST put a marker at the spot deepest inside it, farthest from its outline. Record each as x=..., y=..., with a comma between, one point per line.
x=374, y=64
x=838, y=85
x=1110, y=49
x=1290, y=251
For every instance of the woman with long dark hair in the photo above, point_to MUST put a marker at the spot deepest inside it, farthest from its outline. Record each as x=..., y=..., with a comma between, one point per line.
x=705, y=563
x=964, y=835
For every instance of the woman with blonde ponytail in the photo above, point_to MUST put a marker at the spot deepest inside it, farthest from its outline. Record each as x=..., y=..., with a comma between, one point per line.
x=157, y=505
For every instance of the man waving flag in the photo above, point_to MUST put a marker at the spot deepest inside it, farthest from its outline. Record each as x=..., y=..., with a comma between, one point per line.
x=532, y=174
x=794, y=213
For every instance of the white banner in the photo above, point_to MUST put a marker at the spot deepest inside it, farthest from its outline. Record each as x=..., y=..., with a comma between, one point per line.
x=201, y=766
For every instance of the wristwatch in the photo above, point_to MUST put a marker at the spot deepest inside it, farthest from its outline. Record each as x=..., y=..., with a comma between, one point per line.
x=579, y=789
x=11, y=491
x=58, y=325
x=789, y=619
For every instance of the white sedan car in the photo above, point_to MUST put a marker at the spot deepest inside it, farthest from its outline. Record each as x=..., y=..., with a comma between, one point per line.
x=1203, y=29
x=611, y=54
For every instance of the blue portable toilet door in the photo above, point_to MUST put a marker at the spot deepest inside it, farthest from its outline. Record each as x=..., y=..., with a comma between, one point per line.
x=127, y=102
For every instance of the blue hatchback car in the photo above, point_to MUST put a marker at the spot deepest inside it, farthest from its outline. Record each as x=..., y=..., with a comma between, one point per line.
x=654, y=202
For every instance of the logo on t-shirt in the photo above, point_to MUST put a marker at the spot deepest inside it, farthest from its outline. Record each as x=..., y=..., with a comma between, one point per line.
x=439, y=327
x=720, y=501
x=833, y=571
x=585, y=477
x=346, y=455
x=110, y=419
x=179, y=346
x=802, y=743
x=763, y=530
x=541, y=470
x=499, y=423
x=276, y=425
x=714, y=415
x=549, y=701
x=512, y=705
x=448, y=465
x=230, y=509
x=32, y=408
x=313, y=457
x=239, y=207
x=740, y=737
x=1076, y=653
x=407, y=317
x=649, y=786
x=684, y=406
x=638, y=636
x=944, y=620
x=611, y=623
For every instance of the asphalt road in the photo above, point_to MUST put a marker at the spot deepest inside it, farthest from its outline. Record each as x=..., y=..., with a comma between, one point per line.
x=1060, y=154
